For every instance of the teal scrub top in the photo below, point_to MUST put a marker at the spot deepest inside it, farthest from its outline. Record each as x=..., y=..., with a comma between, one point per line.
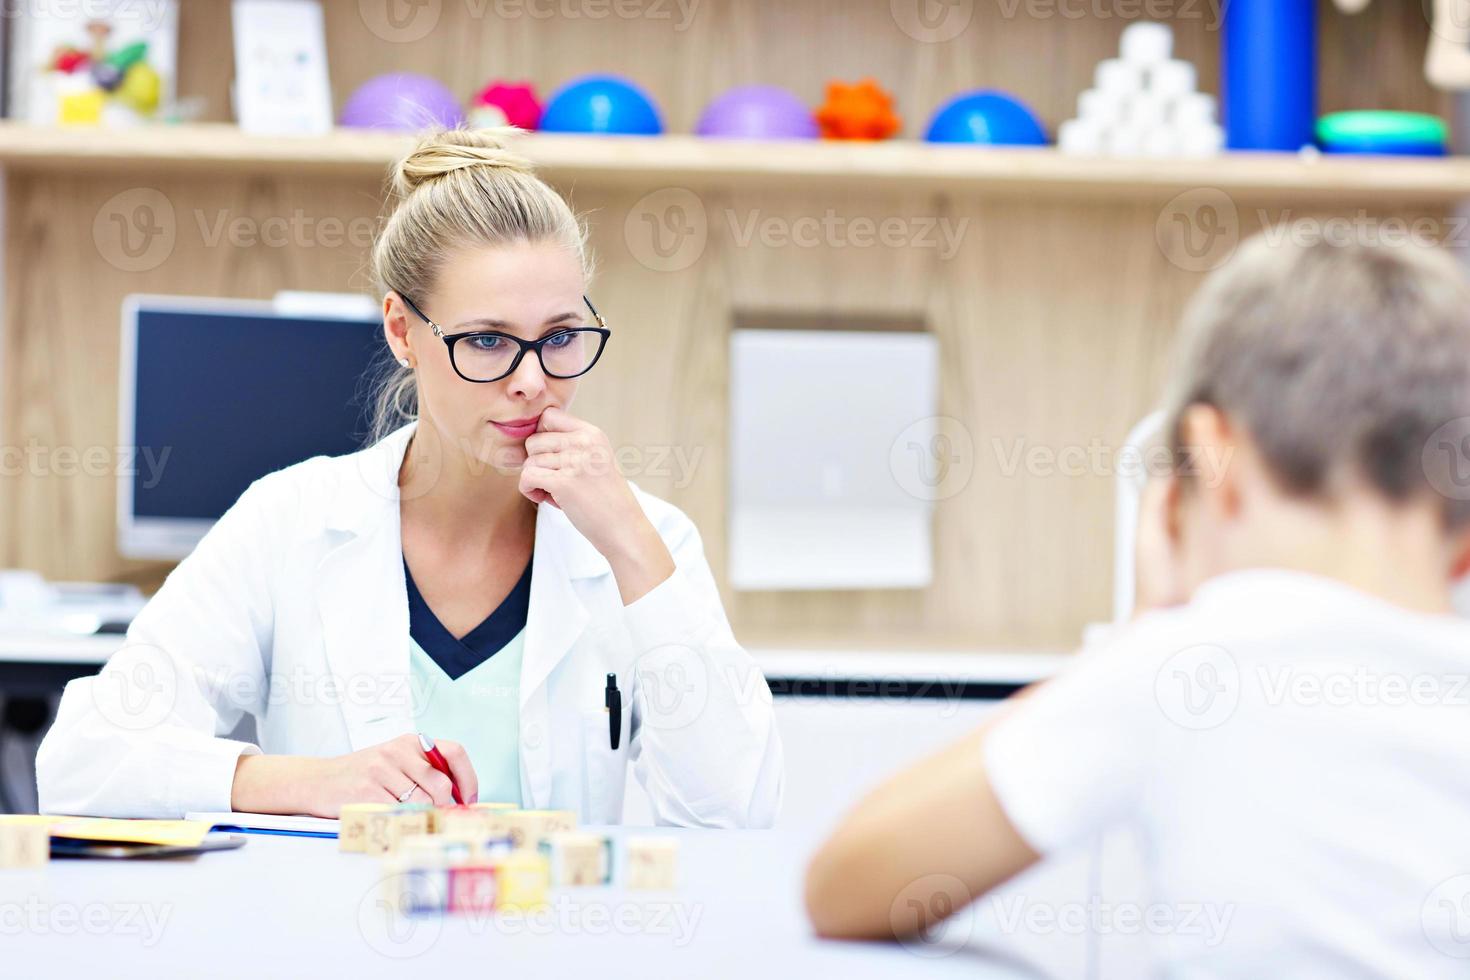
x=467, y=689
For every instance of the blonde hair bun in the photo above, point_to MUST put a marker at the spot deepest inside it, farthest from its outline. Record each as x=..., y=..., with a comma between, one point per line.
x=458, y=188
x=452, y=150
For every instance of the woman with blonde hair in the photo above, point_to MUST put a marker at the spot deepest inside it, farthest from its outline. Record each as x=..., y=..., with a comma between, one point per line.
x=480, y=573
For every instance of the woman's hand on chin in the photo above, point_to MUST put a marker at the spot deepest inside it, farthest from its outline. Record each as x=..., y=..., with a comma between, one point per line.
x=570, y=464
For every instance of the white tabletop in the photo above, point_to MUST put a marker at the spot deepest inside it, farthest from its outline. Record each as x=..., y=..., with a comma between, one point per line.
x=955, y=666
x=296, y=907
x=983, y=666
x=58, y=648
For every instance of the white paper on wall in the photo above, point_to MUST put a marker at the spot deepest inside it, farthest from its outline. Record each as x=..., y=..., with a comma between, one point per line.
x=281, y=81
x=818, y=498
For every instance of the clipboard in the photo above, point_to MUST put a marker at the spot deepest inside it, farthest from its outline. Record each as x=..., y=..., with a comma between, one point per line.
x=74, y=847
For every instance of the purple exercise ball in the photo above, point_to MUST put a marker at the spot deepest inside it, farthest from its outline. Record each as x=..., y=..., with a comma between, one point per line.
x=758, y=112
x=402, y=101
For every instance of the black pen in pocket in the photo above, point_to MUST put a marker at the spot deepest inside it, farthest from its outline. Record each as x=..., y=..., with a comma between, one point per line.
x=612, y=703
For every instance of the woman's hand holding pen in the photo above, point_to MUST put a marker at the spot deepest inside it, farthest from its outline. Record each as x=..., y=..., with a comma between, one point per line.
x=570, y=464
x=390, y=772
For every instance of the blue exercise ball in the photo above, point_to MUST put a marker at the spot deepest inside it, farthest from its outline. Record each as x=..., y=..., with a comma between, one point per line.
x=601, y=104
x=986, y=116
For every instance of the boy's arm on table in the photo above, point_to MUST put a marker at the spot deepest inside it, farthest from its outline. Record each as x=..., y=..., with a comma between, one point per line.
x=941, y=819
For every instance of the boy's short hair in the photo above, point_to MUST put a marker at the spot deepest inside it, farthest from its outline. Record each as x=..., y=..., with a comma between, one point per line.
x=1341, y=361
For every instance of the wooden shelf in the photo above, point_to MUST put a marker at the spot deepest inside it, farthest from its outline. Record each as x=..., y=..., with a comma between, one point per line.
x=905, y=166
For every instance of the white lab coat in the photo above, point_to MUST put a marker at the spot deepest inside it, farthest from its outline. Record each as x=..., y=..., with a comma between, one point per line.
x=293, y=609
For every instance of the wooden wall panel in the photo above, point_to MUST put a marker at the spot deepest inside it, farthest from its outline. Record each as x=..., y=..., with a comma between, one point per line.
x=1054, y=319
x=67, y=273
x=1055, y=315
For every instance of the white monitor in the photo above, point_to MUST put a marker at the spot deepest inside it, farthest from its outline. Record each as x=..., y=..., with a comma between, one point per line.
x=830, y=435
x=216, y=393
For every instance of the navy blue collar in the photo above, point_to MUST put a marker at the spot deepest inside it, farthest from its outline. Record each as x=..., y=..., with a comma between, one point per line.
x=457, y=656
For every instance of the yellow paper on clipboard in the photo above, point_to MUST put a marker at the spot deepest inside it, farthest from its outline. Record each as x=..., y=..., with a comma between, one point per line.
x=170, y=833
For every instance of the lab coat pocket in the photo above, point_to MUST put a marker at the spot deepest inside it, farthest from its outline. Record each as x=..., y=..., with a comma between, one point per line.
x=605, y=767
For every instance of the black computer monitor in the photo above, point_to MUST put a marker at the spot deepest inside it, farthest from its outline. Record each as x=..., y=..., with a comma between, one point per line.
x=217, y=393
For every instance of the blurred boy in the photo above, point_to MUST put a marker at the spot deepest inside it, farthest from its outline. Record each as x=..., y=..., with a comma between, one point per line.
x=1287, y=720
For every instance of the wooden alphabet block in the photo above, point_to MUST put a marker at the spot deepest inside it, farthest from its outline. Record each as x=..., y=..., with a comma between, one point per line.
x=522, y=879
x=382, y=832
x=528, y=828
x=579, y=858
x=652, y=862
x=474, y=821
x=403, y=821
x=416, y=890
x=436, y=850
x=355, y=821
x=472, y=888
x=440, y=817
x=375, y=828
x=24, y=843
x=413, y=818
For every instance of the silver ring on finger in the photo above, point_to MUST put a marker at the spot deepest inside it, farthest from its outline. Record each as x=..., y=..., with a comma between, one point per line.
x=403, y=797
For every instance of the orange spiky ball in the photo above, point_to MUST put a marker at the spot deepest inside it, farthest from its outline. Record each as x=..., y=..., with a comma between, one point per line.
x=857, y=112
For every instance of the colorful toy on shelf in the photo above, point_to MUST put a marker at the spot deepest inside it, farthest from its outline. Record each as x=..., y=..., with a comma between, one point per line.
x=1398, y=133
x=506, y=104
x=96, y=78
x=601, y=104
x=986, y=116
x=402, y=101
x=68, y=60
x=141, y=90
x=1268, y=73
x=109, y=71
x=758, y=112
x=1447, y=61
x=857, y=112
x=1143, y=103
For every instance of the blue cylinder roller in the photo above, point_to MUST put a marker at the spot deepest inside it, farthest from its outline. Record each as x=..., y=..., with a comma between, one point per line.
x=1269, y=74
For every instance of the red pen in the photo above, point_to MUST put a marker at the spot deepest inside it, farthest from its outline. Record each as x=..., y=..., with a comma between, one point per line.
x=436, y=759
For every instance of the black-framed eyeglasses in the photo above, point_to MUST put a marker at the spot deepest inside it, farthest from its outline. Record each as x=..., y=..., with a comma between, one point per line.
x=482, y=356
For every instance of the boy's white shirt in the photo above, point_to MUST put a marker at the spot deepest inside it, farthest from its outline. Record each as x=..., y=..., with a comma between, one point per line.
x=1295, y=755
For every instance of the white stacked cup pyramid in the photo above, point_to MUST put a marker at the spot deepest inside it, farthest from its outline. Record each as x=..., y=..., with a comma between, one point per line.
x=1144, y=103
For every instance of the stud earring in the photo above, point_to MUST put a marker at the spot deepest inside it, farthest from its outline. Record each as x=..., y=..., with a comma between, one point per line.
x=403, y=361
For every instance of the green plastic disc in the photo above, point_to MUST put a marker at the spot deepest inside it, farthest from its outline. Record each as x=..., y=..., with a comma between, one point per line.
x=1374, y=126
